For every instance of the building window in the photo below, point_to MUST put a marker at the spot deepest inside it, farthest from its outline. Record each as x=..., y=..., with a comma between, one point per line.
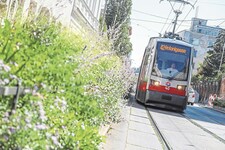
x=195, y=53
x=199, y=30
x=195, y=41
x=210, y=44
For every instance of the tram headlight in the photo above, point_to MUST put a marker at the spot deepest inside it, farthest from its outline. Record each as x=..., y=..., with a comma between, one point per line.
x=156, y=83
x=181, y=87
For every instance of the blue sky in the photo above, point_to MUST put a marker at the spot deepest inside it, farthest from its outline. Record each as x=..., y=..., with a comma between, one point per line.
x=151, y=17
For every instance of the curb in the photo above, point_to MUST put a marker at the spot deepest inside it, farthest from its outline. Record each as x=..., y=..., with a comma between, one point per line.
x=220, y=109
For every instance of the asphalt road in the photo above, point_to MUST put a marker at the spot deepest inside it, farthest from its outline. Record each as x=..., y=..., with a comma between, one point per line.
x=196, y=129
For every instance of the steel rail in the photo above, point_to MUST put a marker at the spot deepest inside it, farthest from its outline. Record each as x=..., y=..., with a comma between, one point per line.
x=160, y=136
x=204, y=129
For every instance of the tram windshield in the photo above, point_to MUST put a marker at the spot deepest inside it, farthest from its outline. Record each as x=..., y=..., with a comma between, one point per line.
x=172, y=61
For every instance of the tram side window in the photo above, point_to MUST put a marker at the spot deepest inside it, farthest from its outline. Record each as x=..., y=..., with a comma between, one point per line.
x=145, y=67
x=148, y=63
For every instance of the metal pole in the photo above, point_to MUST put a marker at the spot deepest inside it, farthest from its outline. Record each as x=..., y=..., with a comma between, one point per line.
x=221, y=60
x=16, y=97
x=177, y=12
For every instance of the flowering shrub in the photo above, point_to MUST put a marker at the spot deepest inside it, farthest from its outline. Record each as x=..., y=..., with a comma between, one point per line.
x=219, y=102
x=74, y=90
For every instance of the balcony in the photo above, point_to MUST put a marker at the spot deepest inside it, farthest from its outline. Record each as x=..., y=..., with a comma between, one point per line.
x=82, y=13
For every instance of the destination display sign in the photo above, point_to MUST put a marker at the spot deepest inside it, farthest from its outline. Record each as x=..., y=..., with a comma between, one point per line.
x=173, y=48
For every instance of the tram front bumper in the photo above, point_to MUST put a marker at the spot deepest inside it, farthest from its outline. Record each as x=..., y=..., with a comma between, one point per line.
x=165, y=100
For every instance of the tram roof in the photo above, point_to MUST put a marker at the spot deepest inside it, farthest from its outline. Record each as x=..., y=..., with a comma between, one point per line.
x=169, y=40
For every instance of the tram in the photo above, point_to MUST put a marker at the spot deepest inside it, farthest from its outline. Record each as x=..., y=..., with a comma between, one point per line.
x=165, y=74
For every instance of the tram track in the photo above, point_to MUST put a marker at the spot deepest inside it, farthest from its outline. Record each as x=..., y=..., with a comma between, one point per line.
x=164, y=134
x=160, y=136
x=204, y=129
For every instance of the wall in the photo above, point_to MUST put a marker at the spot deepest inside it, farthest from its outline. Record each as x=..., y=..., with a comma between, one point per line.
x=222, y=88
x=77, y=14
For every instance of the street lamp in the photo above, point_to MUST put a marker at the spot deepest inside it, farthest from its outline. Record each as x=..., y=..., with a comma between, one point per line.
x=221, y=60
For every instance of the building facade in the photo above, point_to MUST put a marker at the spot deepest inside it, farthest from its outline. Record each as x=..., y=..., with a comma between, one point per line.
x=86, y=13
x=202, y=37
x=77, y=14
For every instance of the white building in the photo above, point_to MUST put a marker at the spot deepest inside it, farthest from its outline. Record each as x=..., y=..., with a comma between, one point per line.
x=78, y=14
x=202, y=37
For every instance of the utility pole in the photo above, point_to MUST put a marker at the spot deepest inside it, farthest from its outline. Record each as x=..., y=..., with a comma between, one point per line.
x=221, y=60
x=177, y=12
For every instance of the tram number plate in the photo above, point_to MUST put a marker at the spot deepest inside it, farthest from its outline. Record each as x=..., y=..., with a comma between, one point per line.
x=166, y=97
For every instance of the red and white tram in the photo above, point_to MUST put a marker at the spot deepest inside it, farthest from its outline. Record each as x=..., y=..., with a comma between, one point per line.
x=165, y=74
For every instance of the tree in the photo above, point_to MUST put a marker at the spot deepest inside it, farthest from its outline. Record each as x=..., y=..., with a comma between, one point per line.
x=117, y=20
x=211, y=65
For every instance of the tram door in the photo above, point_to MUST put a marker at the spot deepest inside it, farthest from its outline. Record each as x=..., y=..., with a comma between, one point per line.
x=143, y=76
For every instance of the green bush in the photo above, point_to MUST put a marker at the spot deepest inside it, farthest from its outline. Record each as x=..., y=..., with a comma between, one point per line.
x=74, y=90
x=219, y=102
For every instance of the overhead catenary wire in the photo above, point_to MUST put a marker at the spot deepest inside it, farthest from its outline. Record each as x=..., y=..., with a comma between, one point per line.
x=188, y=20
x=212, y=3
x=181, y=22
x=186, y=15
x=221, y=23
x=170, y=26
x=149, y=14
x=166, y=20
x=143, y=20
x=172, y=6
x=147, y=28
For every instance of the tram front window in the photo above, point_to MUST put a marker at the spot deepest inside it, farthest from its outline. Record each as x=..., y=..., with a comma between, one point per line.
x=171, y=65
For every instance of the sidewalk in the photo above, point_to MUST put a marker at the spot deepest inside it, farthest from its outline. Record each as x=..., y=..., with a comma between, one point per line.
x=134, y=132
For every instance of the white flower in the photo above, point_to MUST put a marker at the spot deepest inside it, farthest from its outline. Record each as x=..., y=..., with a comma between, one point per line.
x=43, y=85
x=17, y=47
x=6, y=81
x=41, y=127
x=27, y=148
x=83, y=126
x=55, y=140
x=48, y=135
x=27, y=120
x=12, y=130
x=15, y=64
x=51, y=106
x=43, y=118
x=6, y=114
x=64, y=103
x=2, y=82
x=13, y=76
x=6, y=68
x=29, y=125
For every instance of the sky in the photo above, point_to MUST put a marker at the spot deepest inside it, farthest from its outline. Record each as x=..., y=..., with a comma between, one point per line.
x=151, y=17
